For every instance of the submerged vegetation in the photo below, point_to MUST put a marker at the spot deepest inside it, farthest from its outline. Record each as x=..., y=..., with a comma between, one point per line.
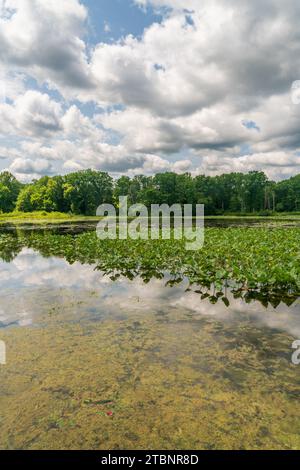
x=113, y=365
x=164, y=380
x=247, y=260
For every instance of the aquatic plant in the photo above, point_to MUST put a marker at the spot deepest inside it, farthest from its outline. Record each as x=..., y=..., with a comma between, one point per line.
x=246, y=259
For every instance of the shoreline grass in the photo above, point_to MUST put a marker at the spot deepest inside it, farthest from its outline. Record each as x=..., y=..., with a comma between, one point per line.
x=44, y=217
x=59, y=217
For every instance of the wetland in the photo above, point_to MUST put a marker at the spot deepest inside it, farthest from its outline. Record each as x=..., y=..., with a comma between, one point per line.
x=142, y=345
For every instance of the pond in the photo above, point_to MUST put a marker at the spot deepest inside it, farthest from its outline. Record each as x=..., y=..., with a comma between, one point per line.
x=96, y=363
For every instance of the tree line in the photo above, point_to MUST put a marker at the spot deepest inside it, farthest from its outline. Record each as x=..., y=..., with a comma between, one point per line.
x=83, y=191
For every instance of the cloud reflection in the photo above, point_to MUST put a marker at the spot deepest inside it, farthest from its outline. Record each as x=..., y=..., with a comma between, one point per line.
x=30, y=277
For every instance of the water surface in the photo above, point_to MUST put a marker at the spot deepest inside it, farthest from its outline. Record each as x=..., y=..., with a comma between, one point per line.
x=93, y=363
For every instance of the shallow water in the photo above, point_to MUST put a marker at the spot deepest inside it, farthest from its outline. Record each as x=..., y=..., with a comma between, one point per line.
x=98, y=364
x=84, y=226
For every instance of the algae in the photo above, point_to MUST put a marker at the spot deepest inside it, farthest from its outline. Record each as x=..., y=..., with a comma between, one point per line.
x=135, y=384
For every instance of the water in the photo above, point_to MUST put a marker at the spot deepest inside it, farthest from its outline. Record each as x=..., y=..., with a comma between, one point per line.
x=98, y=364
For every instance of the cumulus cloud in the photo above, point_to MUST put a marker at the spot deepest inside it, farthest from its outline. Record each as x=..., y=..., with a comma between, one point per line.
x=32, y=114
x=195, y=80
x=44, y=39
x=26, y=166
x=162, y=72
x=212, y=80
x=235, y=51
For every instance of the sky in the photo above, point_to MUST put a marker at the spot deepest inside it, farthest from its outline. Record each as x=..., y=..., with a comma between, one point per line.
x=146, y=86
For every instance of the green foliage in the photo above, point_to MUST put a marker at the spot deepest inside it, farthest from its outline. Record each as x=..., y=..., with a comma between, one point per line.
x=82, y=192
x=79, y=193
x=288, y=194
x=247, y=258
x=45, y=194
x=9, y=191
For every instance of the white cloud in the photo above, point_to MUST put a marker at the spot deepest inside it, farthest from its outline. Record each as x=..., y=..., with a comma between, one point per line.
x=26, y=166
x=188, y=84
x=276, y=164
x=44, y=39
x=33, y=114
x=182, y=166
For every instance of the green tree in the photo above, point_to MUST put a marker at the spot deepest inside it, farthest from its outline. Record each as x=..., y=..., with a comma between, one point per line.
x=85, y=190
x=287, y=194
x=10, y=188
x=82, y=192
x=46, y=194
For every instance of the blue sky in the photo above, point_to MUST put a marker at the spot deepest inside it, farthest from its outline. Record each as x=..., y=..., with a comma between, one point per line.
x=122, y=17
x=145, y=86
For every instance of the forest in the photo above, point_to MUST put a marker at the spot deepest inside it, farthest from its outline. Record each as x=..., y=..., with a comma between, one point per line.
x=83, y=191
